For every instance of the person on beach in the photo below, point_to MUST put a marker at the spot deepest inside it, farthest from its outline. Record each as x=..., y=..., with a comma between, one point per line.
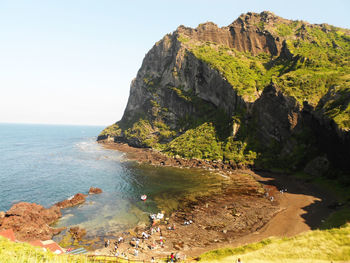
x=137, y=243
x=172, y=257
x=239, y=260
x=136, y=252
x=161, y=241
x=144, y=235
x=120, y=239
x=152, y=260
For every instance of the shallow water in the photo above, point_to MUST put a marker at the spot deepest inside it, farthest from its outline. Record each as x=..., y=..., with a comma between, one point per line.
x=47, y=163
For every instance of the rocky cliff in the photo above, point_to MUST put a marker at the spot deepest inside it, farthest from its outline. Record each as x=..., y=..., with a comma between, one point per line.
x=263, y=91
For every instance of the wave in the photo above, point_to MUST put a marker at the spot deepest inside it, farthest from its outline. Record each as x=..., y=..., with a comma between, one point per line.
x=91, y=147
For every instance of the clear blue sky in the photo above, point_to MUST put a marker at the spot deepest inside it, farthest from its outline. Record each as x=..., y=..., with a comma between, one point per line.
x=72, y=61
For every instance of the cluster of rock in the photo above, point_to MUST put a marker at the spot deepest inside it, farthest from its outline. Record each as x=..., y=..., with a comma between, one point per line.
x=31, y=221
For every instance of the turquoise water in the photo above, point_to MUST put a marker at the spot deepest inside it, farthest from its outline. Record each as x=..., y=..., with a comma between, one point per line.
x=49, y=163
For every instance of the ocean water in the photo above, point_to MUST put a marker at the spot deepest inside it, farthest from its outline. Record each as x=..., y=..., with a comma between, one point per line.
x=45, y=164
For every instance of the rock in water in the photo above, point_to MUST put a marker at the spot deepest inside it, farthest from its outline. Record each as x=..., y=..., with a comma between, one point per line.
x=95, y=190
x=73, y=201
x=77, y=232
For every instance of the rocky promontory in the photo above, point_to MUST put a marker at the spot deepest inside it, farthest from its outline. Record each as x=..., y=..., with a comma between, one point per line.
x=32, y=221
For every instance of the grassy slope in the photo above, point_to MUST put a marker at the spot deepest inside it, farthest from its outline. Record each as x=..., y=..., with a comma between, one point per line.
x=11, y=252
x=313, y=246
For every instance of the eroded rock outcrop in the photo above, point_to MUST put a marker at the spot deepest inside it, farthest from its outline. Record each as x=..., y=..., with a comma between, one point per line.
x=72, y=201
x=249, y=33
x=31, y=221
x=276, y=115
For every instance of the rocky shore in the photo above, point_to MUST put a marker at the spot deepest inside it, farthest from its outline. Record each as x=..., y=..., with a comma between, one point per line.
x=241, y=208
x=152, y=157
x=255, y=207
x=31, y=221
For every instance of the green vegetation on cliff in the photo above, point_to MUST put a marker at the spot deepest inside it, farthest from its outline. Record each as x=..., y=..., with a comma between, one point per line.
x=320, y=60
x=244, y=72
x=309, y=64
x=112, y=131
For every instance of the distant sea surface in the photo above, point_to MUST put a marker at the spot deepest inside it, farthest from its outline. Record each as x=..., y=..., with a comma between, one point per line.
x=45, y=164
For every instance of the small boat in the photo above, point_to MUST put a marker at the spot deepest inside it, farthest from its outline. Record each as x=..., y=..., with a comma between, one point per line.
x=143, y=197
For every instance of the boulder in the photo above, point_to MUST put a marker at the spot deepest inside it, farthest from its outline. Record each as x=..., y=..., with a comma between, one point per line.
x=72, y=201
x=95, y=190
x=77, y=232
x=31, y=221
x=317, y=167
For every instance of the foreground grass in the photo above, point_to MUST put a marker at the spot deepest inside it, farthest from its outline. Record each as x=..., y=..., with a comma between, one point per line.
x=11, y=252
x=313, y=246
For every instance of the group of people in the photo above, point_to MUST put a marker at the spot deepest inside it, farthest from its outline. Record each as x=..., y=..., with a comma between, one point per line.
x=116, y=244
x=188, y=222
x=174, y=258
x=145, y=235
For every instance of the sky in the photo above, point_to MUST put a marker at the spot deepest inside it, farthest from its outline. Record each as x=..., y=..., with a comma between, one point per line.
x=72, y=61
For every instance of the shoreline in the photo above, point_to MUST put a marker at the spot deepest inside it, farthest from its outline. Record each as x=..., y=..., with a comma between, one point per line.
x=284, y=216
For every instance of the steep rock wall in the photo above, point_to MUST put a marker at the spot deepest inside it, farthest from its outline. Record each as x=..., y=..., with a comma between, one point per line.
x=175, y=91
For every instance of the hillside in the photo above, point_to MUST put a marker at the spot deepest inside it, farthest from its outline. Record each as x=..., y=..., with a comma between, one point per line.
x=264, y=91
x=319, y=246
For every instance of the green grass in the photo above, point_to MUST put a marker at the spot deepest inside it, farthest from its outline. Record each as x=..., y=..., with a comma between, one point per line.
x=320, y=61
x=313, y=246
x=200, y=142
x=338, y=106
x=337, y=218
x=245, y=73
x=11, y=252
x=112, y=130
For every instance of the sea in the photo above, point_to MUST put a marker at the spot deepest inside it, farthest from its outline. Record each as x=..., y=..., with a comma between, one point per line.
x=45, y=164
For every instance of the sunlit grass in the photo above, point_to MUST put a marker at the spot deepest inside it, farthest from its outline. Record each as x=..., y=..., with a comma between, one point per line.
x=11, y=252
x=313, y=246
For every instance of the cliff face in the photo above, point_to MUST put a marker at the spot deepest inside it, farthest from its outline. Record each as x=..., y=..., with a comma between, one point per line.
x=247, y=34
x=263, y=90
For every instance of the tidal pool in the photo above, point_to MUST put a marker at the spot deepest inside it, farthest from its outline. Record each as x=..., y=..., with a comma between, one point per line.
x=120, y=209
